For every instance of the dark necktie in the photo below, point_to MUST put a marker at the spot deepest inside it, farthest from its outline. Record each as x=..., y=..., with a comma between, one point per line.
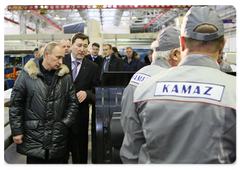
x=94, y=57
x=74, y=71
x=106, y=65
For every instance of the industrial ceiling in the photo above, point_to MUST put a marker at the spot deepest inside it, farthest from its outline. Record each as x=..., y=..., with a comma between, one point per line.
x=135, y=16
x=139, y=18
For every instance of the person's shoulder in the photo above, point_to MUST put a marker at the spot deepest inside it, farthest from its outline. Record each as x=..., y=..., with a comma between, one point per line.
x=115, y=57
x=88, y=56
x=224, y=76
x=91, y=63
x=67, y=57
x=100, y=57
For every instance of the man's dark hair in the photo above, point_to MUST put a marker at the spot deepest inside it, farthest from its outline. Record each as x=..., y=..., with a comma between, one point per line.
x=150, y=51
x=115, y=49
x=79, y=35
x=36, y=49
x=96, y=45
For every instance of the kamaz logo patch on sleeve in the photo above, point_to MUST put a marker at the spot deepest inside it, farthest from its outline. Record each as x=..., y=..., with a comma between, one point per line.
x=189, y=89
x=138, y=78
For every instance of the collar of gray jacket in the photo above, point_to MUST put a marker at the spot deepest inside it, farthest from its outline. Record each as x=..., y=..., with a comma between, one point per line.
x=32, y=69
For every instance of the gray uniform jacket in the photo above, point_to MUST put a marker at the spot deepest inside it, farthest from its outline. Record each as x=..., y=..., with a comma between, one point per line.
x=225, y=66
x=127, y=154
x=188, y=114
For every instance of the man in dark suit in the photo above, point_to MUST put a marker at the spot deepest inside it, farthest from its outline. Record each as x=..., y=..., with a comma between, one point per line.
x=94, y=56
x=110, y=61
x=84, y=73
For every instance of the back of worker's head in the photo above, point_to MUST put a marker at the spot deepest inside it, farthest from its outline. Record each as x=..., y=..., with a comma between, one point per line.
x=167, y=45
x=166, y=41
x=202, y=30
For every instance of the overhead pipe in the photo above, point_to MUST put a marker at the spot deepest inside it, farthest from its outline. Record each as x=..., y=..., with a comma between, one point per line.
x=84, y=15
x=17, y=23
x=175, y=15
x=159, y=15
x=117, y=17
x=49, y=21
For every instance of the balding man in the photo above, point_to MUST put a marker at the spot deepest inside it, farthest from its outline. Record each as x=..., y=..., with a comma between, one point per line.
x=66, y=46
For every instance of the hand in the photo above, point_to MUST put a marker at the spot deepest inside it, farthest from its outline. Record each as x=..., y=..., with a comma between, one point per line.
x=81, y=95
x=18, y=139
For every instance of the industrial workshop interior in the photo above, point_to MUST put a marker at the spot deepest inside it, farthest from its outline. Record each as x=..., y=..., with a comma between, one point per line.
x=27, y=28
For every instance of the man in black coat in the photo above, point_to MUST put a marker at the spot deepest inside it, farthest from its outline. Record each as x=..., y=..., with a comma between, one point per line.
x=43, y=106
x=94, y=56
x=84, y=73
x=110, y=61
x=147, y=60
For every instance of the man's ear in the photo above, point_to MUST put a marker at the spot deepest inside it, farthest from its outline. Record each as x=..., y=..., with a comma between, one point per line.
x=175, y=54
x=223, y=44
x=182, y=43
x=46, y=53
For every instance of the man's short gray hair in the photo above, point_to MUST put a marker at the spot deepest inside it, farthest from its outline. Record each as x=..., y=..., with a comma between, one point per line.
x=165, y=55
x=50, y=47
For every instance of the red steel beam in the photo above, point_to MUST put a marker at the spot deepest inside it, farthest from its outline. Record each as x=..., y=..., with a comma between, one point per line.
x=100, y=11
x=67, y=7
x=49, y=21
x=159, y=15
x=15, y=22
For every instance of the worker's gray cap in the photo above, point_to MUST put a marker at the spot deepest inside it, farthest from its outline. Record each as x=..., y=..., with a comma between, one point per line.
x=168, y=39
x=197, y=16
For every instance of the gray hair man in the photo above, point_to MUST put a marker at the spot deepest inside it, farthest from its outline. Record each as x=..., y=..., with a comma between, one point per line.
x=188, y=113
x=166, y=54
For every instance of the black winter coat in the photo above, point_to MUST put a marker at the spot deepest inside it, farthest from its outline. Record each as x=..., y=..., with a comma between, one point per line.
x=42, y=113
x=132, y=66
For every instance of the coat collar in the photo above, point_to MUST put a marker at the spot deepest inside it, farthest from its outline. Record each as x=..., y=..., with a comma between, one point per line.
x=199, y=60
x=161, y=63
x=32, y=68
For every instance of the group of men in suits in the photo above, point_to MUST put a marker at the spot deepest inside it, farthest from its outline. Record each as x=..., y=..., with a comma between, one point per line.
x=86, y=71
x=109, y=63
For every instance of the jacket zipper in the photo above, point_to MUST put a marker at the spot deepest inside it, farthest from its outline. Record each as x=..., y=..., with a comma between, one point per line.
x=30, y=101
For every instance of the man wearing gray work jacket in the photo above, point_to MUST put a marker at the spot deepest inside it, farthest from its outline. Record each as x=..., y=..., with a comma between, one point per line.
x=188, y=113
x=166, y=54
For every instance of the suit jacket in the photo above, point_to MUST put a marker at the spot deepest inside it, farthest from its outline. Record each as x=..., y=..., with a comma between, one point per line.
x=115, y=63
x=86, y=80
x=97, y=60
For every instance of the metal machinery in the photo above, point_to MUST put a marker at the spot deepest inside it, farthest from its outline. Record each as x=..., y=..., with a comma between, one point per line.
x=107, y=134
x=13, y=75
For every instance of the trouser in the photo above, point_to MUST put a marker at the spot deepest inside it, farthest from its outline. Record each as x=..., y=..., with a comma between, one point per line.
x=34, y=160
x=78, y=144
